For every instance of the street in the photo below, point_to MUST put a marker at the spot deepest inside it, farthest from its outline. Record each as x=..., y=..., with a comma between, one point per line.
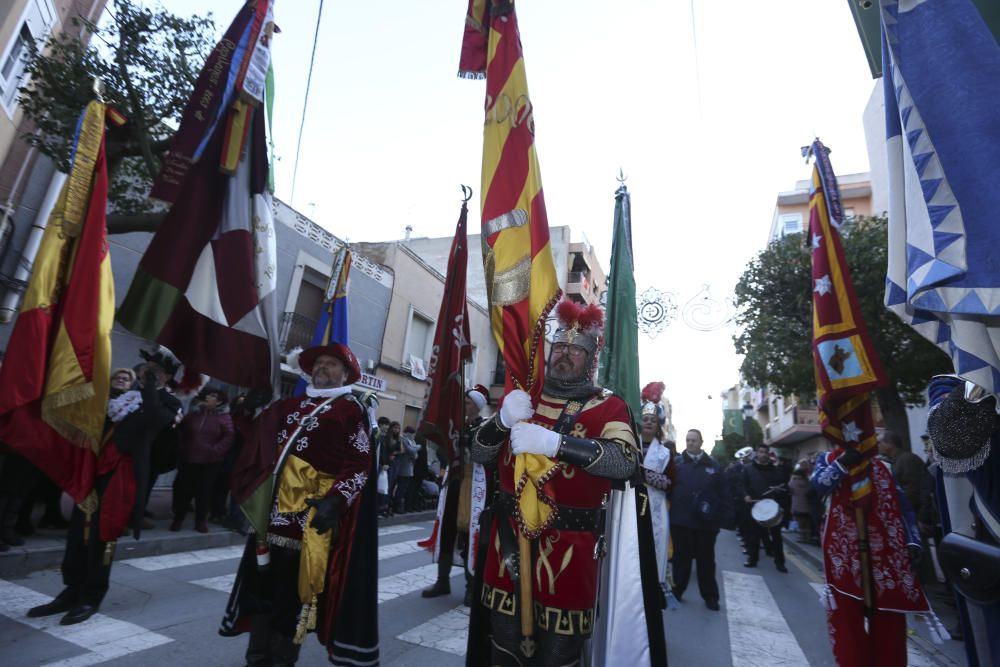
x=165, y=610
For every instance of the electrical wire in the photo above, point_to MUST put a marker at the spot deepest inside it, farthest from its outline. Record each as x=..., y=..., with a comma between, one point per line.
x=305, y=102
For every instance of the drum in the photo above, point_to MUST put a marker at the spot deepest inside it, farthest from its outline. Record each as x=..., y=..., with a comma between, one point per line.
x=767, y=513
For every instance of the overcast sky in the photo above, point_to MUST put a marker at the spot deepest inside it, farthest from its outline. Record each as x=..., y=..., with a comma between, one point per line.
x=705, y=113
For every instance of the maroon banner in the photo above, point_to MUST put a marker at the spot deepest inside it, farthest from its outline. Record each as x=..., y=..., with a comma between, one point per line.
x=444, y=414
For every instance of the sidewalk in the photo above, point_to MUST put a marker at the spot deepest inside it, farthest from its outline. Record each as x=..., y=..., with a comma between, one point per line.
x=44, y=549
x=950, y=653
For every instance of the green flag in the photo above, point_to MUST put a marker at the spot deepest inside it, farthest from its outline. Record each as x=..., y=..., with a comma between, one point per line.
x=732, y=422
x=619, y=370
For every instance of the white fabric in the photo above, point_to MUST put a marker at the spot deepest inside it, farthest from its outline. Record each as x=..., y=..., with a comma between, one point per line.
x=516, y=407
x=528, y=438
x=657, y=459
x=477, y=398
x=331, y=392
x=620, y=635
x=382, y=486
x=123, y=405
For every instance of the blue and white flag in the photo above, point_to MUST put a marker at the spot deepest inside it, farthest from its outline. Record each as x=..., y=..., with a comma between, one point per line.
x=942, y=108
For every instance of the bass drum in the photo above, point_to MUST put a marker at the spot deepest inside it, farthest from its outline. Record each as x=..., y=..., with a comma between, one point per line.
x=767, y=513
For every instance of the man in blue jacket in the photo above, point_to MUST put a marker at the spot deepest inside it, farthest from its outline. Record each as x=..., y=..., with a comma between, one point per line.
x=698, y=505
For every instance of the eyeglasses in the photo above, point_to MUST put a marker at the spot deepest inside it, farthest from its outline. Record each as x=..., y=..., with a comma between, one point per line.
x=571, y=350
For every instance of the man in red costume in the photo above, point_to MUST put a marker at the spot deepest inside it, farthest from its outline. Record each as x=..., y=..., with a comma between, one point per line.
x=583, y=440
x=317, y=447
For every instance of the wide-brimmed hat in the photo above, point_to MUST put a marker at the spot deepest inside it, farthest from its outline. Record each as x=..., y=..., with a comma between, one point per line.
x=162, y=358
x=338, y=350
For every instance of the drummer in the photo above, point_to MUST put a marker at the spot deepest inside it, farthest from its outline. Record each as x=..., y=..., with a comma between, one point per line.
x=764, y=480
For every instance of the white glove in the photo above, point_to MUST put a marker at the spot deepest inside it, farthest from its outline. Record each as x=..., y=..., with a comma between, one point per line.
x=516, y=407
x=528, y=438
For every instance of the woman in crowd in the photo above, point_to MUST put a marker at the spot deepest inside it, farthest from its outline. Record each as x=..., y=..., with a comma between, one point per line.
x=206, y=436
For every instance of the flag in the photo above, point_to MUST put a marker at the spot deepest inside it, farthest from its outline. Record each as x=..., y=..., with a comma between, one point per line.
x=332, y=324
x=520, y=273
x=619, y=369
x=942, y=115
x=56, y=373
x=847, y=366
x=444, y=414
x=205, y=287
x=732, y=422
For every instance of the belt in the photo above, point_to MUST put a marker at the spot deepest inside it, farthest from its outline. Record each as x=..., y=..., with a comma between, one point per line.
x=590, y=520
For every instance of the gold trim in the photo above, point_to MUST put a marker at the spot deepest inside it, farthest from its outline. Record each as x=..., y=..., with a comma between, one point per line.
x=509, y=220
x=512, y=285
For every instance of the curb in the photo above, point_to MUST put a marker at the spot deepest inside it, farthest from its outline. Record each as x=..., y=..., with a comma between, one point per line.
x=803, y=552
x=19, y=562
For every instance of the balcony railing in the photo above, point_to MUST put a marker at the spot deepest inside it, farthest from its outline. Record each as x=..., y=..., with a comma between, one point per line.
x=295, y=331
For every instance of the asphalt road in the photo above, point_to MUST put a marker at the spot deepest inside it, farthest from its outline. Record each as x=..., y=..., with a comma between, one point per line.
x=165, y=610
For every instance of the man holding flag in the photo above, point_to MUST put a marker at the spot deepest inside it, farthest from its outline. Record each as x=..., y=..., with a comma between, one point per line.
x=871, y=538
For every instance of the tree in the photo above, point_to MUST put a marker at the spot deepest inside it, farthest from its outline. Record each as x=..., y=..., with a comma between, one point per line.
x=149, y=60
x=774, y=313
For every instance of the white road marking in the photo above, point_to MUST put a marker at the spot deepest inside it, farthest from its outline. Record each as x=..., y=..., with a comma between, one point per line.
x=102, y=637
x=758, y=633
x=168, y=561
x=399, y=549
x=395, y=585
x=401, y=528
x=222, y=583
x=447, y=632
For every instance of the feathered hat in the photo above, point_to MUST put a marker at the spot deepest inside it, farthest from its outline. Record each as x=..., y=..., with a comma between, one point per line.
x=651, y=396
x=579, y=325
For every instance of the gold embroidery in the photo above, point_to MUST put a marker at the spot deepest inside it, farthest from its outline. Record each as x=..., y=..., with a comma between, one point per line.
x=511, y=285
x=578, y=431
x=645, y=502
x=559, y=621
x=568, y=471
x=543, y=562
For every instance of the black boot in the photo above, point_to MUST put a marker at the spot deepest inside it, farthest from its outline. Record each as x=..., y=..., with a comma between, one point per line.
x=284, y=651
x=443, y=584
x=259, y=650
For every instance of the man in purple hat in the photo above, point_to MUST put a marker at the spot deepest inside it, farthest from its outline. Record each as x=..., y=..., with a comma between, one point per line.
x=316, y=448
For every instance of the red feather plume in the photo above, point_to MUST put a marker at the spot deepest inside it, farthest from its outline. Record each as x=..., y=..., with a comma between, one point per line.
x=653, y=392
x=590, y=318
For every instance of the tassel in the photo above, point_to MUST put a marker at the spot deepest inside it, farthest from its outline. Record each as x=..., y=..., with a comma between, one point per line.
x=109, y=553
x=307, y=621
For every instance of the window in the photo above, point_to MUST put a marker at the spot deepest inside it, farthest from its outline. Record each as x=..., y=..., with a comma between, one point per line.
x=849, y=213
x=790, y=223
x=418, y=338
x=36, y=21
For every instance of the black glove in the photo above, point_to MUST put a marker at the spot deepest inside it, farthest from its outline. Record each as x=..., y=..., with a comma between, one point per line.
x=915, y=553
x=327, y=516
x=850, y=458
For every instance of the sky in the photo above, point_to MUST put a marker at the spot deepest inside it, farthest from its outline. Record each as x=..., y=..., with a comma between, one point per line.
x=703, y=104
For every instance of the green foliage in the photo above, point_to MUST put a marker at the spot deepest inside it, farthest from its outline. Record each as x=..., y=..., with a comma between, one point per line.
x=774, y=302
x=148, y=60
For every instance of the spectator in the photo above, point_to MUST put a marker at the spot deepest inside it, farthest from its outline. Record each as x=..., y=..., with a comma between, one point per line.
x=390, y=450
x=798, y=488
x=383, y=461
x=407, y=454
x=698, y=504
x=206, y=436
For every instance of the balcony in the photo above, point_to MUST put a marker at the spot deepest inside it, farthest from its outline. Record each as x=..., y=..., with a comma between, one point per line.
x=794, y=426
x=295, y=330
x=578, y=286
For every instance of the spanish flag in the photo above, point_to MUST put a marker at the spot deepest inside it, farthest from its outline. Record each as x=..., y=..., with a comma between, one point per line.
x=55, y=377
x=517, y=257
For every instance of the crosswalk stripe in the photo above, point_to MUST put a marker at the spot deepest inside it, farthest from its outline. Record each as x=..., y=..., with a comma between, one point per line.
x=399, y=549
x=395, y=585
x=401, y=528
x=222, y=583
x=168, y=561
x=103, y=638
x=758, y=633
x=445, y=632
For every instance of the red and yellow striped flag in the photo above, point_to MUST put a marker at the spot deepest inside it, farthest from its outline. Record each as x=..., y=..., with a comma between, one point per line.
x=55, y=379
x=517, y=257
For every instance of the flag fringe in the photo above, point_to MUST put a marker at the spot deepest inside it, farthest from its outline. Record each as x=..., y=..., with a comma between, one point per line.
x=475, y=76
x=66, y=428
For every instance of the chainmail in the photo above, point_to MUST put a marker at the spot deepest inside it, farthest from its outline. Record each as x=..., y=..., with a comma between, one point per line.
x=615, y=461
x=579, y=389
x=487, y=441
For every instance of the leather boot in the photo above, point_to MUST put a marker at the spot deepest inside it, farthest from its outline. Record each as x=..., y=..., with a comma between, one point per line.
x=259, y=650
x=443, y=584
x=284, y=651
